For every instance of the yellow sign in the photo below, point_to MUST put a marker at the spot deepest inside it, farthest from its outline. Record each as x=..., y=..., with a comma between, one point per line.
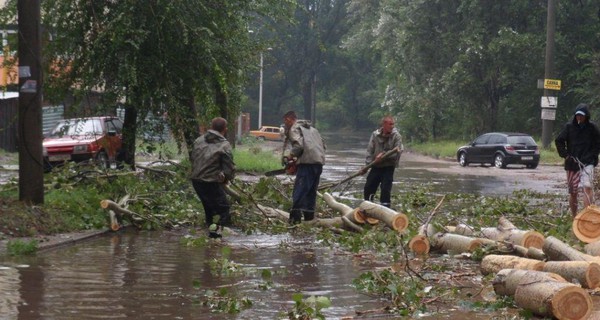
x=551, y=84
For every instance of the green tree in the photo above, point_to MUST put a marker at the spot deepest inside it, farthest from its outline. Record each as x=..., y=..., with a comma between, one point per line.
x=185, y=59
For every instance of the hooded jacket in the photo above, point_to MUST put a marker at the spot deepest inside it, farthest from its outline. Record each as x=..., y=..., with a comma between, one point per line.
x=380, y=142
x=211, y=156
x=306, y=142
x=579, y=140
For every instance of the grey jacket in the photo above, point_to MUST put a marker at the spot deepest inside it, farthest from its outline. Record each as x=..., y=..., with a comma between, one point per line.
x=382, y=143
x=211, y=156
x=306, y=142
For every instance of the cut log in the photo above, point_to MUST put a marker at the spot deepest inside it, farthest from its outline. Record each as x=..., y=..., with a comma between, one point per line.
x=593, y=249
x=492, y=233
x=342, y=208
x=419, y=244
x=585, y=273
x=557, y=250
x=464, y=230
x=507, y=231
x=526, y=238
x=493, y=263
x=506, y=280
x=548, y=298
x=531, y=252
x=586, y=224
x=395, y=220
x=455, y=243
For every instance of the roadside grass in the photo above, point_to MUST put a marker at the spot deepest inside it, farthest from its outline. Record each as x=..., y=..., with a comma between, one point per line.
x=446, y=149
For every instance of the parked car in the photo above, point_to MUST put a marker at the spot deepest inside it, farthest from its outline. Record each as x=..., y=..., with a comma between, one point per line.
x=500, y=149
x=268, y=133
x=96, y=138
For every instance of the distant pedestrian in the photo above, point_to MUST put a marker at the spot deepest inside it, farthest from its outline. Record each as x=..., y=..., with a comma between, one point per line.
x=308, y=152
x=381, y=173
x=579, y=144
x=212, y=167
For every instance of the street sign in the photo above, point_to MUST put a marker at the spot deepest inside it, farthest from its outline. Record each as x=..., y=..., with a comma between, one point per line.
x=548, y=114
x=551, y=84
x=549, y=102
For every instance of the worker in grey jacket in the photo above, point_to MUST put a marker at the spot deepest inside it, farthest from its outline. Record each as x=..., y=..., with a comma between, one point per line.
x=212, y=166
x=381, y=174
x=308, y=152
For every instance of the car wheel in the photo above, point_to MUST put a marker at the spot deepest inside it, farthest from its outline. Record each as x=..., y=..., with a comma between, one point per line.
x=462, y=159
x=261, y=138
x=532, y=165
x=499, y=161
x=102, y=160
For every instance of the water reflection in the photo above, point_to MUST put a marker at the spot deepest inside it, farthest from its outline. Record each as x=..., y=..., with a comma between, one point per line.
x=150, y=275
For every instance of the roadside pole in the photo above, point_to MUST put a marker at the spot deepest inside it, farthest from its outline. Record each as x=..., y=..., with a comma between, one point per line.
x=31, y=168
x=549, y=102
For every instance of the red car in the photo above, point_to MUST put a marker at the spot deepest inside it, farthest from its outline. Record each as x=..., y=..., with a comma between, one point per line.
x=81, y=139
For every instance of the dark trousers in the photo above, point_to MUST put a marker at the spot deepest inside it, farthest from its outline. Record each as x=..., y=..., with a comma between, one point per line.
x=214, y=201
x=380, y=176
x=304, y=196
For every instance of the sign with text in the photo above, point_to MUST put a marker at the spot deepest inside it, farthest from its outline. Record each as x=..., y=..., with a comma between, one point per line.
x=549, y=102
x=548, y=114
x=551, y=84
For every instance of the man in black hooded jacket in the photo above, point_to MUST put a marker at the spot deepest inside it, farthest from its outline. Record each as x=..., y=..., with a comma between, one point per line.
x=579, y=144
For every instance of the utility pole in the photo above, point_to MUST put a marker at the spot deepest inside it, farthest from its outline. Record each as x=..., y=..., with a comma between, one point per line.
x=31, y=168
x=548, y=120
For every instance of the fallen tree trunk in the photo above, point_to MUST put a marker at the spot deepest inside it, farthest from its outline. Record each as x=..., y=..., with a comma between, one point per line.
x=550, y=298
x=395, y=220
x=449, y=242
x=493, y=263
x=557, y=250
x=585, y=273
x=585, y=224
x=346, y=211
x=331, y=223
x=506, y=281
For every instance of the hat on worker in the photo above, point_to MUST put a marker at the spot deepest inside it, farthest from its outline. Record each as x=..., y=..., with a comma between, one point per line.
x=581, y=112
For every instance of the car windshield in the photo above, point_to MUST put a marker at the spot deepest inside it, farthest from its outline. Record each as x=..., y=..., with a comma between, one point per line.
x=76, y=127
x=526, y=140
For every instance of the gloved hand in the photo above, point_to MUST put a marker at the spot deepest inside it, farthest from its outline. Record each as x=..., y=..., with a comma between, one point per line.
x=220, y=177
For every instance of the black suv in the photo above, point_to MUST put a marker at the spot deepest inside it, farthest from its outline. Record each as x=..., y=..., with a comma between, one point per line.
x=500, y=149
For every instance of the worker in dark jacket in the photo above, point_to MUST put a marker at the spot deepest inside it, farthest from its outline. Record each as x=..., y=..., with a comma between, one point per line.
x=212, y=167
x=308, y=152
x=579, y=144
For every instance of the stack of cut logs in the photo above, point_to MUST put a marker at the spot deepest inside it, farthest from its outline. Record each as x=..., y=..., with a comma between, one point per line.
x=542, y=274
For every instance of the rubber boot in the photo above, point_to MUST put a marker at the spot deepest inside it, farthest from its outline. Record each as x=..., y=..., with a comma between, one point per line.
x=295, y=216
x=308, y=215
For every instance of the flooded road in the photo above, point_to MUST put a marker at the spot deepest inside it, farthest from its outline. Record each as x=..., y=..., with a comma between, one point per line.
x=151, y=275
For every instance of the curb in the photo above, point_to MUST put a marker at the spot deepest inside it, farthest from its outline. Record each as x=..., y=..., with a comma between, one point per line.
x=46, y=243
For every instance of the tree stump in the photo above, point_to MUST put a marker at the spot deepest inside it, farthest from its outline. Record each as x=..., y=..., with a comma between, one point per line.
x=586, y=224
x=493, y=263
x=585, y=273
x=506, y=280
x=549, y=298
